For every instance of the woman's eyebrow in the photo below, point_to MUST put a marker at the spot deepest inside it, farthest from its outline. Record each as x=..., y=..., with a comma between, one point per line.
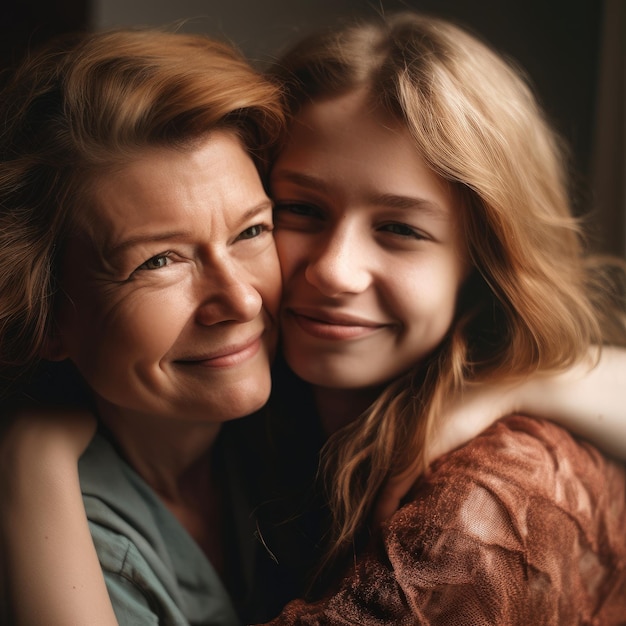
x=263, y=206
x=118, y=247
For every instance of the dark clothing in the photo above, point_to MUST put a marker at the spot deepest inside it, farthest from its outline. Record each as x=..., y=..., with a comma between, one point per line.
x=279, y=454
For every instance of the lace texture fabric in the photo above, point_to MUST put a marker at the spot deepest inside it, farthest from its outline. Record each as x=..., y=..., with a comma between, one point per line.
x=523, y=526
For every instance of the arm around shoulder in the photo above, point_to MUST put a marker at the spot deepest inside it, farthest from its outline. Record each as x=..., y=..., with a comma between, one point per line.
x=50, y=565
x=589, y=399
x=494, y=534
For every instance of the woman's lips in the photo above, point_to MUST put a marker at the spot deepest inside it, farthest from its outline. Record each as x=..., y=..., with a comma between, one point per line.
x=333, y=327
x=226, y=357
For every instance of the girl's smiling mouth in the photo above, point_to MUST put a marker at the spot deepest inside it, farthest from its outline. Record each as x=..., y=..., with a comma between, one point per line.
x=332, y=326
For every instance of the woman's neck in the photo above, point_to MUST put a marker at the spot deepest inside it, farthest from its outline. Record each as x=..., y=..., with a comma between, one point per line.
x=338, y=407
x=168, y=454
x=175, y=459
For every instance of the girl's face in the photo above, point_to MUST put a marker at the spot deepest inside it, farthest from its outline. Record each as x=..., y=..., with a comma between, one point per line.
x=173, y=287
x=370, y=247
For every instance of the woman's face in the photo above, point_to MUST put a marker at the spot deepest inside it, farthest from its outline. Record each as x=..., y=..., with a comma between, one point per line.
x=172, y=286
x=370, y=247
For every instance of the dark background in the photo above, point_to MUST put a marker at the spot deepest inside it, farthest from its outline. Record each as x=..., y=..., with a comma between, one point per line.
x=573, y=51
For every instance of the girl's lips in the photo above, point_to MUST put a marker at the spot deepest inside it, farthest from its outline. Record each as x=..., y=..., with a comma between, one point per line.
x=333, y=329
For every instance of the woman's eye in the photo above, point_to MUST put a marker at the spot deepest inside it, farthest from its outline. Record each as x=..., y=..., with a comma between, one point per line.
x=254, y=231
x=156, y=262
x=403, y=230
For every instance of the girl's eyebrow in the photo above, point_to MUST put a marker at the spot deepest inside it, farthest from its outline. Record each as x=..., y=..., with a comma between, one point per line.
x=389, y=200
x=395, y=201
x=298, y=178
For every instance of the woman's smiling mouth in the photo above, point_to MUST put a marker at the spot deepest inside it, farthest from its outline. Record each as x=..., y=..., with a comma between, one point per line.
x=226, y=357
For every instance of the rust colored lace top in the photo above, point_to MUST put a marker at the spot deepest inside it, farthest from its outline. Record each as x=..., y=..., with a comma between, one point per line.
x=523, y=526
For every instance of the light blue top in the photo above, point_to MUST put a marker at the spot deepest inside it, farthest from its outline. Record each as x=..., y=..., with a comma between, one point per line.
x=154, y=571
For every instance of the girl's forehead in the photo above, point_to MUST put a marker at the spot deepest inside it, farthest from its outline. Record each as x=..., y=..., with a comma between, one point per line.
x=350, y=129
x=356, y=104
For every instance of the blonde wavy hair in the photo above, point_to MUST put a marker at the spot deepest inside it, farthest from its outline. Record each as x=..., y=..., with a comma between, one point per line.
x=87, y=104
x=534, y=301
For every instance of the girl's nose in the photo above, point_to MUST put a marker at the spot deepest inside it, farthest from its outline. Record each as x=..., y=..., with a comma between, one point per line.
x=340, y=265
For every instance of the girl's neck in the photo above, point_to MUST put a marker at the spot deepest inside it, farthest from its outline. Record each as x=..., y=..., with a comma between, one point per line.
x=338, y=407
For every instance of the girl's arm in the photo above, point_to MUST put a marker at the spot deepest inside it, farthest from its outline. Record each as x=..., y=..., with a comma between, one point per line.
x=51, y=570
x=588, y=400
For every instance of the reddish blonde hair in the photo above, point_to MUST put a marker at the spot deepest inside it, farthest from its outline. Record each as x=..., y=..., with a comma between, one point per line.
x=88, y=104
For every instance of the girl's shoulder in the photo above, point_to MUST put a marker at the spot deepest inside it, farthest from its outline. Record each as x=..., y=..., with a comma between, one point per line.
x=522, y=464
x=519, y=517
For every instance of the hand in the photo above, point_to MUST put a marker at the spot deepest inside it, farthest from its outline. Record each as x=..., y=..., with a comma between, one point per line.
x=48, y=559
x=24, y=423
x=587, y=398
x=37, y=439
x=463, y=418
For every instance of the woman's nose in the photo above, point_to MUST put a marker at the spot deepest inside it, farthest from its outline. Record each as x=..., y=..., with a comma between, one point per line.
x=340, y=264
x=227, y=294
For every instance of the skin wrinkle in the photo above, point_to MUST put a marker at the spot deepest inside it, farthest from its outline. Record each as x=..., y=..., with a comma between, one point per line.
x=380, y=263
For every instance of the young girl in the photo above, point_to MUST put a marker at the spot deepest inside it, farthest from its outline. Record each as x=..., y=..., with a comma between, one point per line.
x=427, y=245
x=428, y=249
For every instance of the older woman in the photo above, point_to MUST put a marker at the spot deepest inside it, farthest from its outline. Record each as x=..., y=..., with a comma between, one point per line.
x=136, y=243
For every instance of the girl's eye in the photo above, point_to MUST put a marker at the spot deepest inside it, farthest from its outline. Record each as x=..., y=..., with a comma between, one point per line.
x=156, y=262
x=403, y=230
x=254, y=231
x=305, y=210
x=293, y=210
